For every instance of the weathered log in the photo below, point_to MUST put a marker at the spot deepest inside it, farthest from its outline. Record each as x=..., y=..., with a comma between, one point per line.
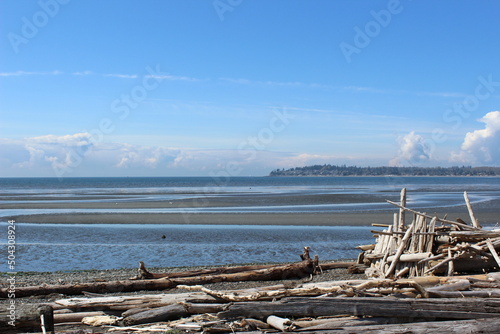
x=402, y=201
x=434, y=308
x=133, y=311
x=336, y=265
x=493, y=251
x=357, y=269
x=402, y=272
x=75, y=316
x=97, y=287
x=465, y=263
x=495, y=276
x=400, y=250
x=195, y=308
x=466, y=294
x=164, y=313
x=282, y=324
x=336, y=323
x=123, y=303
x=144, y=273
x=484, y=285
x=171, y=312
x=410, y=257
x=253, y=324
x=451, y=285
x=101, y=320
x=288, y=271
x=14, y=317
x=459, y=326
x=374, y=256
x=474, y=235
x=473, y=219
x=365, y=248
x=451, y=265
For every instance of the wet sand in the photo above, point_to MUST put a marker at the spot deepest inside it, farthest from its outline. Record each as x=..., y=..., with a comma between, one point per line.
x=192, y=201
x=300, y=219
x=488, y=212
x=320, y=219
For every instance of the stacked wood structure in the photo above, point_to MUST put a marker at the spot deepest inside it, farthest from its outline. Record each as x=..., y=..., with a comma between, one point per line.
x=429, y=245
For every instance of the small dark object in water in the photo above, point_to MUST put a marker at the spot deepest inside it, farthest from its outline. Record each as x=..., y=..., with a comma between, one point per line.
x=164, y=236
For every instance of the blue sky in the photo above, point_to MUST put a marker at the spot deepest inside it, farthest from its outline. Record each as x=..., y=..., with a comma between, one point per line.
x=241, y=87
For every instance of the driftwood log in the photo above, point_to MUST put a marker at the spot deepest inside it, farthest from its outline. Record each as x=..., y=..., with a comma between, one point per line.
x=129, y=302
x=429, y=309
x=278, y=272
x=171, y=312
x=144, y=273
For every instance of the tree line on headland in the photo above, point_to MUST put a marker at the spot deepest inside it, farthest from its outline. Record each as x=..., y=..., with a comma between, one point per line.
x=343, y=170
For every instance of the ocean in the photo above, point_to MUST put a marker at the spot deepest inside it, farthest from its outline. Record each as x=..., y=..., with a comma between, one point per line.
x=57, y=247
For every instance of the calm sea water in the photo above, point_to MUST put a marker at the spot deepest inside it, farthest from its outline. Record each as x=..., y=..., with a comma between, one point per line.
x=51, y=247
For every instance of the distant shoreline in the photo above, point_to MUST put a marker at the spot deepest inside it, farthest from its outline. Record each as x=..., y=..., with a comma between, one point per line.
x=271, y=175
x=387, y=171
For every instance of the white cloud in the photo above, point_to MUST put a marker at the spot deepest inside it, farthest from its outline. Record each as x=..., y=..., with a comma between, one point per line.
x=412, y=150
x=121, y=76
x=107, y=75
x=26, y=73
x=54, y=150
x=131, y=156
x=83, y=73
x=172, y=77
x=481, y=146
x=306, y=159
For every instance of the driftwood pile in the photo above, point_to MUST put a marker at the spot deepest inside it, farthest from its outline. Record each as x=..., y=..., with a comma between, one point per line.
x=30, y=315
x=353, y=306
x=430, y=246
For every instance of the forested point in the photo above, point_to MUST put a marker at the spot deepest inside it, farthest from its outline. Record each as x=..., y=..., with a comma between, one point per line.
x=343, y=170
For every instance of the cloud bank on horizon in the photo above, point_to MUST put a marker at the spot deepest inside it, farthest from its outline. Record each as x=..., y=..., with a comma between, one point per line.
x=81, y=154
